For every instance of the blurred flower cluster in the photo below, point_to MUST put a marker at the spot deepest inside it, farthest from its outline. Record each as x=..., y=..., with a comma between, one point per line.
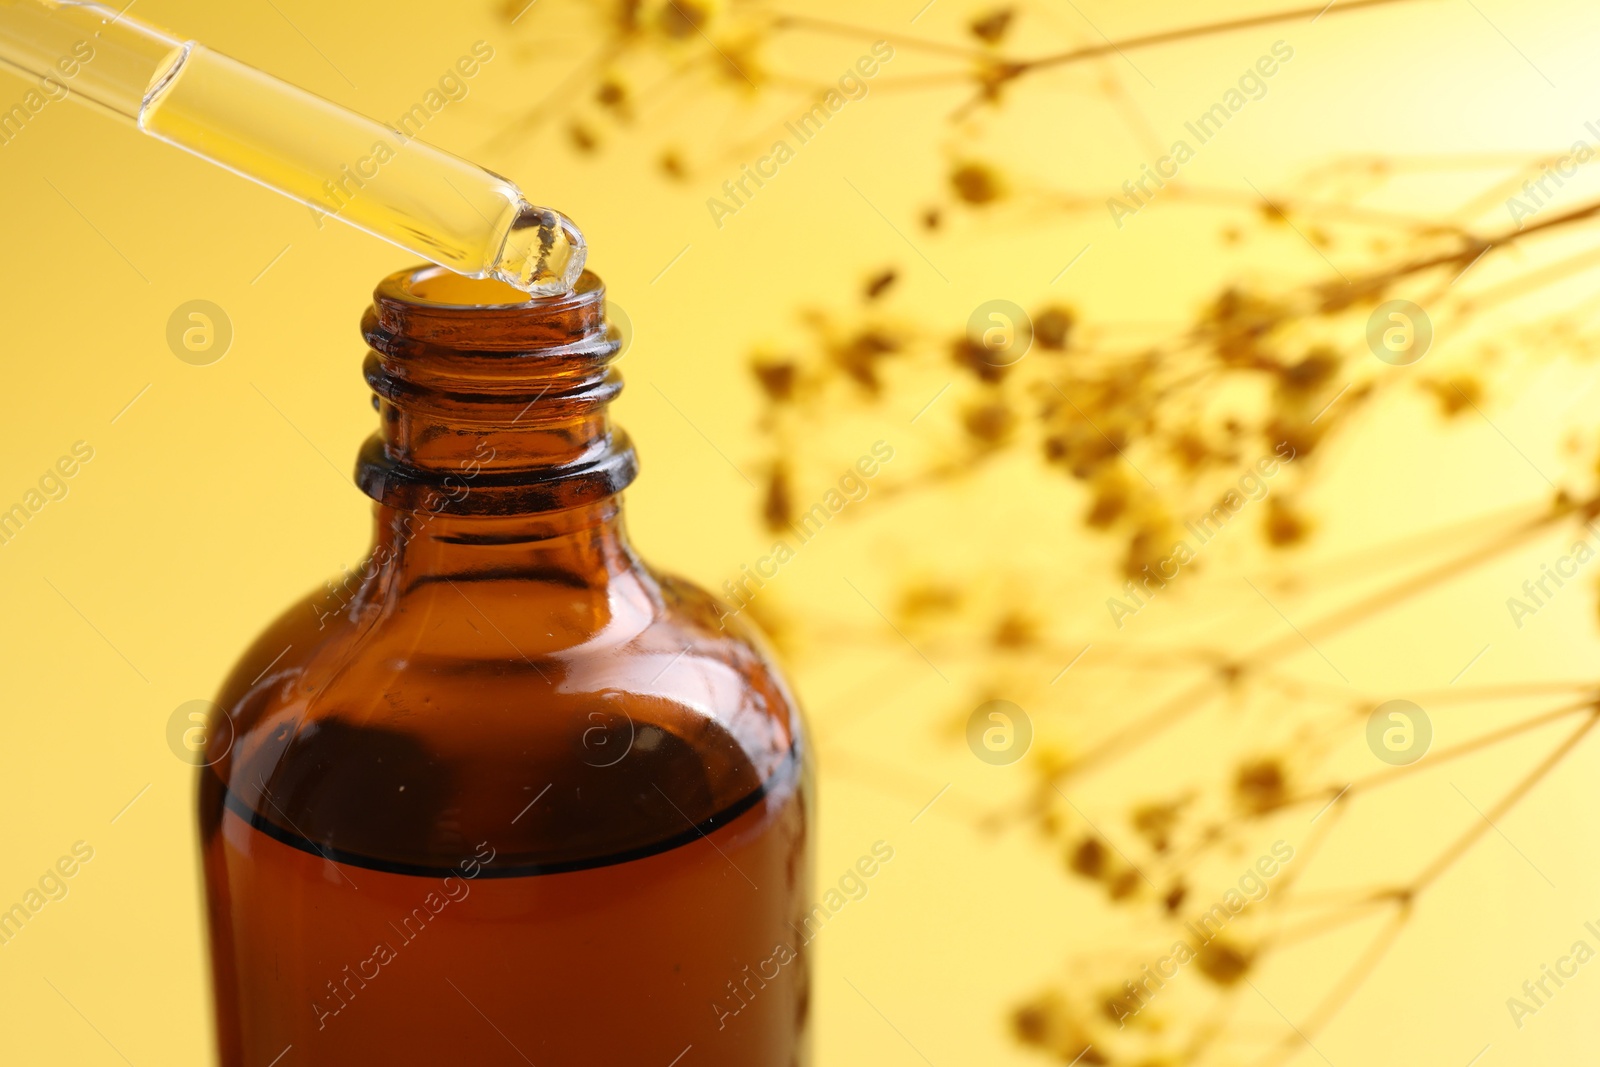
x=1136, y=433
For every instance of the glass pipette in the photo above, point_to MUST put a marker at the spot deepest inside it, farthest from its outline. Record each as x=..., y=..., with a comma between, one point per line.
x=375, y=177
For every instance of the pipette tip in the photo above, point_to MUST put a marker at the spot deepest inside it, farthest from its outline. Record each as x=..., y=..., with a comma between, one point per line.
x=544, y=252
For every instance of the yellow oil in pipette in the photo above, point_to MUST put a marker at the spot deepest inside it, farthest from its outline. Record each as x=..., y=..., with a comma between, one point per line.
x=376, y=177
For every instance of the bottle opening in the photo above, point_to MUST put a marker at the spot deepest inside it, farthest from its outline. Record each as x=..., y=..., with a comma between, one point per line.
x=491, y=403
x=446, y=288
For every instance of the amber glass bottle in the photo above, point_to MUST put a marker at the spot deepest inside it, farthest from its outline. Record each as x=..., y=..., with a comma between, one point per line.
x=504, y=795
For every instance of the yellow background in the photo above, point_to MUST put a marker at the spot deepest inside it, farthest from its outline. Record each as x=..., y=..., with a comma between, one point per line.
x=223, y=491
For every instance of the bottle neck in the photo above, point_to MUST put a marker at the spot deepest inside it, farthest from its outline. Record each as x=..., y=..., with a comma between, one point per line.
x=585, y=547
x=491, y=409
x=496, y=468
x=540, y=583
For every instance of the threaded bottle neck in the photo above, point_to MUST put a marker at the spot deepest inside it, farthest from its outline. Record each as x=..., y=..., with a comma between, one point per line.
x=490, y=403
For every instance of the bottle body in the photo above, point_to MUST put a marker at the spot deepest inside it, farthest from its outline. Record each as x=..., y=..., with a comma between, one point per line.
x=505, y=795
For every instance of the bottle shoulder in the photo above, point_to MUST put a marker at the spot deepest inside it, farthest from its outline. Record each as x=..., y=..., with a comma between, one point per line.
x=409, y=726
